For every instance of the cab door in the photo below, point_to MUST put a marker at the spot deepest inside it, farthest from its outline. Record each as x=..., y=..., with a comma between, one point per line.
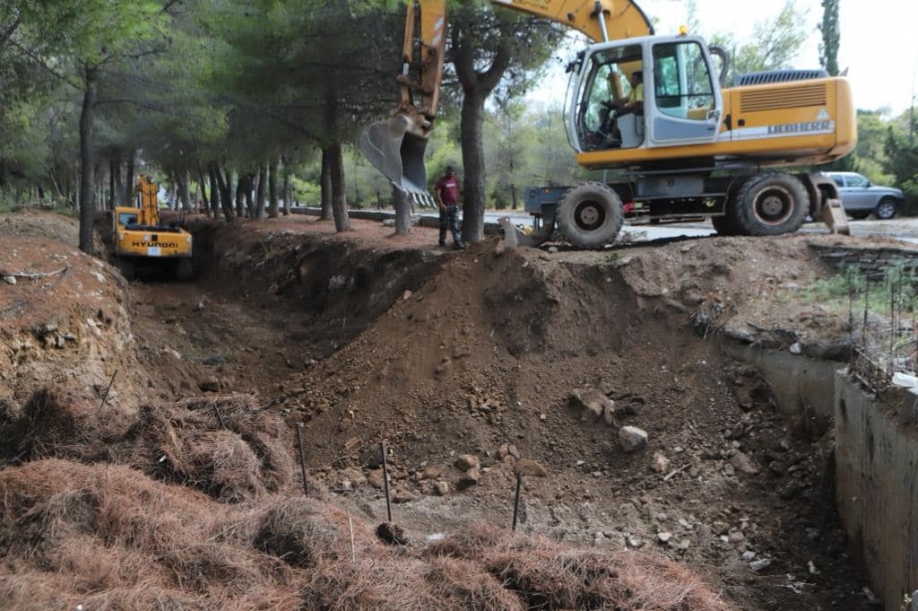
x=685, y=106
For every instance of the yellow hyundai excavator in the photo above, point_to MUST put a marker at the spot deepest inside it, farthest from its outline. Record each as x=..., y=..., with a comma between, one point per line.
x=138, y=239
x=687, y=146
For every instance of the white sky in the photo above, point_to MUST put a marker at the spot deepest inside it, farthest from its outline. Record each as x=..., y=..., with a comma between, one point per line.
x=879, y=40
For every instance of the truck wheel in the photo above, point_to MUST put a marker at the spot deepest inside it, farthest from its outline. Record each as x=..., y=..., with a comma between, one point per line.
x=590, y=215
x=886, y=209
x=771, y=204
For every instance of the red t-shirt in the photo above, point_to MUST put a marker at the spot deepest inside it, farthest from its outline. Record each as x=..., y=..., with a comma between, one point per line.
x=448, y=189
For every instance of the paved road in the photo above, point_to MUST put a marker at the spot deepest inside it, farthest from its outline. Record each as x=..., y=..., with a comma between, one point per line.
x=905, y=229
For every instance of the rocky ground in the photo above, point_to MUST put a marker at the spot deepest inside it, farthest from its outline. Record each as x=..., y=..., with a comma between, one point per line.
x=598, y=375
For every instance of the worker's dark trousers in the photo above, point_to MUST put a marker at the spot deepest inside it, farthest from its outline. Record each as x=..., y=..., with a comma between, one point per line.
x=449, y=218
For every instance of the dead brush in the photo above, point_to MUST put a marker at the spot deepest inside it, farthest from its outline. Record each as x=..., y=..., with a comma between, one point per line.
x=57, y=423
x=44, y=502
x=200, y=567
x=657, y=583
x=187, y=443
x=546, y=575
x=306, y=533
x=472, y=542
x=367, y=584
x=457, y=585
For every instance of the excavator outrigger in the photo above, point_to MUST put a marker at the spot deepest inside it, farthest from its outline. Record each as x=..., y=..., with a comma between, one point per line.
x=690, y=146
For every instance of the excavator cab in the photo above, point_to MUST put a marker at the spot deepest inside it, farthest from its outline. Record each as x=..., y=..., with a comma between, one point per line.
x=675, y=100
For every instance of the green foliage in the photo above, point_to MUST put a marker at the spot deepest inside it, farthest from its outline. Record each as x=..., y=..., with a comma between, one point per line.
x=831, y=37
x=306, y=193
x=902, y=162
x=838, y=287
x=773, y=45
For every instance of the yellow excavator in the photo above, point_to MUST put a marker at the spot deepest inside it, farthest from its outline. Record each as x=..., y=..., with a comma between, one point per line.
x=139, y=240
x=689, y=145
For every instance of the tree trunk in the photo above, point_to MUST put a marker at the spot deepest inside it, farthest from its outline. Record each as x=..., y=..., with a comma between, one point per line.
x=272, y=189
x=473, y=163
x=185, y=191
x=326, y=190
x=249, y=199
x=402, y=211
x=288, y=188
x=226, y=194
x=203, y=199
x=87, y=180
x=128, y=185
x=114, y=169
x=214, y=199
x=339, y=191
x=241, y=187
x=260, y=193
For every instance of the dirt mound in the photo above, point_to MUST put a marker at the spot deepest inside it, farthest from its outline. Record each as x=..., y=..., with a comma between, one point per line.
x=63, y=317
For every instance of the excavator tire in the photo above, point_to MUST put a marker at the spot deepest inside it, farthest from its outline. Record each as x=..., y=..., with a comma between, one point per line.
x=590, y=215
x=771, y=204
x=729, y=224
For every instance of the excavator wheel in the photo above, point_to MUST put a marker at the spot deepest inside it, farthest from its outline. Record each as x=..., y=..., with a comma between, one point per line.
x=729, y=224
x=771, y=204
x=590, y=215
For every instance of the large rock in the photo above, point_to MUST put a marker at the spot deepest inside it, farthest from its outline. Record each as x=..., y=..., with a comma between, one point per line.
x=660, y=463
x=471, y=477
x=593, y=406
x=632, y=438
x=742, y=464
x=376, y=479
x=468, y=461
x=430, y=472
x=529, y=468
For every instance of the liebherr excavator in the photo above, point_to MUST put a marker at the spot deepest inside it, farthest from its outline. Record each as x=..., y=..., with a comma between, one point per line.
x=691, y=145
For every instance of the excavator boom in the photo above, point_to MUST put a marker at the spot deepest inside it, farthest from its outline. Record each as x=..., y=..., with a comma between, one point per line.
x=396, y=147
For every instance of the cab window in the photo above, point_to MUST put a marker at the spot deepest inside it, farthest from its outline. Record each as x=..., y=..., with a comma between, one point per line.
x=682, y=82
x=608, y=80
x=127, y=218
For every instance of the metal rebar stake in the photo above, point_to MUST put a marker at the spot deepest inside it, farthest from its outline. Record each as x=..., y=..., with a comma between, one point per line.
x=219, y=415
x=105, y=394
x=385, y=475
x=516, y=502
x=299, y=440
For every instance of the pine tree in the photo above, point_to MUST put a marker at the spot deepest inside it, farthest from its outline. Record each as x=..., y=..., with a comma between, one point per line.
x=831, y=37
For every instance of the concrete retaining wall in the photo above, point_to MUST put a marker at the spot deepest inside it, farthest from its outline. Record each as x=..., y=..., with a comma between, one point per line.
x=803, y=387
x=876, y=453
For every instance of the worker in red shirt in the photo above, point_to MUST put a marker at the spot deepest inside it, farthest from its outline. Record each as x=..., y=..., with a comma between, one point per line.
x=446, y=191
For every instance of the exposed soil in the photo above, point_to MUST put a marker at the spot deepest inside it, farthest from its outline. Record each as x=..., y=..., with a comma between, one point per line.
x=467, y=358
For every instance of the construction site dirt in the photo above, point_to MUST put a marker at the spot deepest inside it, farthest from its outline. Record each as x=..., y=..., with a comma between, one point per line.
x=150, y=456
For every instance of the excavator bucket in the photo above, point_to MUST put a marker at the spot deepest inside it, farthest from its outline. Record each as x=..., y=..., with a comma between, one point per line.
x=398, y=153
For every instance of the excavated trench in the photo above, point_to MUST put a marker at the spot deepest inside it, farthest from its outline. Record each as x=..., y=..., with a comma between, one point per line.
x=482, y=359
x=465, y=354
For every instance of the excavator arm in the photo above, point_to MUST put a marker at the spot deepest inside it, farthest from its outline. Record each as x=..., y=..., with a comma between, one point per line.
x=396, y=147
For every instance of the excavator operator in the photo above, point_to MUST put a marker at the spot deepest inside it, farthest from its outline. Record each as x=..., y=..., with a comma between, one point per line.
x=616, y=107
